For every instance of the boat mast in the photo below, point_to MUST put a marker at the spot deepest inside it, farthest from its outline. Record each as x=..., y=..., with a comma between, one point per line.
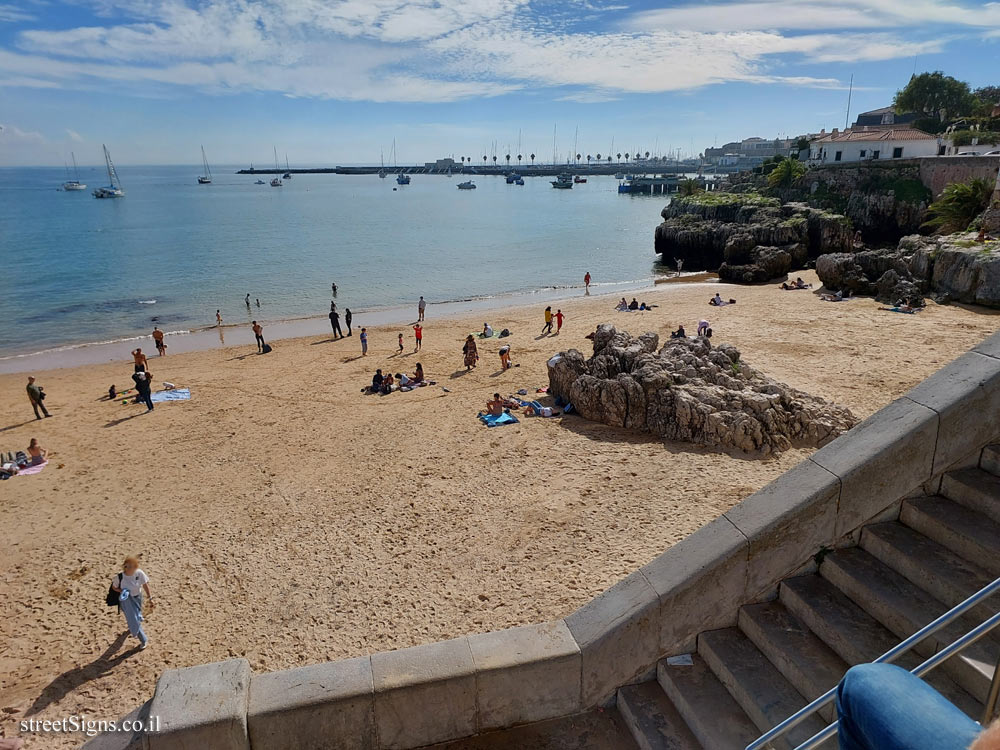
x=76, y=172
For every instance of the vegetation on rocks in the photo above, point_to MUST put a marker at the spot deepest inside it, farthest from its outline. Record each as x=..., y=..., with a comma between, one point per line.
x=959, y=204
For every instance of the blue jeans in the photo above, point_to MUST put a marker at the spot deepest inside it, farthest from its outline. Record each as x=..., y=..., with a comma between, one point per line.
x=884, y=707
x=132, y=609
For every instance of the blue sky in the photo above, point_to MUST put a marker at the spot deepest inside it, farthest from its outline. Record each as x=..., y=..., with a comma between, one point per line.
x=334, y=81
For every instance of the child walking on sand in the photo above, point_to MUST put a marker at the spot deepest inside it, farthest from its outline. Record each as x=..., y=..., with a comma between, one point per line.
x=364, y=342
x=400, y=343
x=418, y=333
x=130, y=585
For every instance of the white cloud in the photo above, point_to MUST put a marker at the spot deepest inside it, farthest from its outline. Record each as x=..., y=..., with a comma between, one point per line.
x=445, y=50
x=11, y=136
x=74, y=136
x=13, y=14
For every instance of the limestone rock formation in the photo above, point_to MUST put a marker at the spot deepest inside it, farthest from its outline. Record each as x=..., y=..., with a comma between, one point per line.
x=747, y=237
x=688, y=391
x=948, y=268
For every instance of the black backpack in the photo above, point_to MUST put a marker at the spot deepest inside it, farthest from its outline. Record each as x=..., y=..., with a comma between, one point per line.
x=112, y=598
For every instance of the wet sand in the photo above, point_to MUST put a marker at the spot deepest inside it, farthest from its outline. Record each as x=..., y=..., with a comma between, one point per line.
x=284, y=516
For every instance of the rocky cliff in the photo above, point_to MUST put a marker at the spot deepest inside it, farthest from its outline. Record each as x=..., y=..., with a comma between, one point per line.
x=688, y=391
x=948, y=268
x=746, y=236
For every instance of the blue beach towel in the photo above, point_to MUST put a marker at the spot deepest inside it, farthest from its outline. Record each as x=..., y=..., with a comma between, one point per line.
x=490, y=421
x=177, y=394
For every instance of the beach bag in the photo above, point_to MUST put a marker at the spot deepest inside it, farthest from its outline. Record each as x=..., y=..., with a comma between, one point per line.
x=22, y=459
x=266, y=349
x=504, y=333
x=112, y=598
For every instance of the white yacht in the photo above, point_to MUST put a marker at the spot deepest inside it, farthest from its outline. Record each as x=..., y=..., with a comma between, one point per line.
x=205, y=179
x=114, y=187
x=73, y=184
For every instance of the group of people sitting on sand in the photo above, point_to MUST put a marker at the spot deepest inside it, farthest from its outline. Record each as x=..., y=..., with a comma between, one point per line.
x=387, y=383
x=12, y=463
x=634, y=305
x=797, y=284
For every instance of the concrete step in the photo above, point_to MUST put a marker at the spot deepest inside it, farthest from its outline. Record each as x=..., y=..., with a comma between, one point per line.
x=757, y=685
x=806, y=662
x=855, y=635
x=904, y=608
x=976, y=489
x=948, y=577
x=653, y=720
x=712, y=714
x=598, y=728
x=965, y=532
x=990, y=459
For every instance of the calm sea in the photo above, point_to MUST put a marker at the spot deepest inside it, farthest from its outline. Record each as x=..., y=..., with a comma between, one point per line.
x=80, y=270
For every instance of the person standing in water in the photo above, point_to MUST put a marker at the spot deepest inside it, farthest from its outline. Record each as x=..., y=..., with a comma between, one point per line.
x=258, y=334
x=347, y=319
x=421, y=305
x=333, y=289
x=130, y=585
x=258, y=302
x=218, y=318
x=158, y=339
x=247, y=300
x=586, y=281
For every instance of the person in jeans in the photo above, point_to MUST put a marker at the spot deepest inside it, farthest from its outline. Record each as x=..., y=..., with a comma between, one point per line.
x=884, y=707
x=335, y=324
x=35, y=396
x=142, y=385
x=258, y=333
x=130, y=584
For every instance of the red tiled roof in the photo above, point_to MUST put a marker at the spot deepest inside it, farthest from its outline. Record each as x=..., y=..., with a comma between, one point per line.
x=876, y=134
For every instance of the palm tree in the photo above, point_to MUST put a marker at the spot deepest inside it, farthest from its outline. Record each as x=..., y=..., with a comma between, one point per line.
x=578, y=158
x=532, y=160
x=647, y=155
x=494, y=160
x=688, y=188
x=619, y=158
x=609, y=158
x=959, y=204
x=588, y=160
x=484, y=159
x=626, y=158
x=508, y=161
x=598, y=157
x=785, y=173
x=518, y=161
x=463, y=162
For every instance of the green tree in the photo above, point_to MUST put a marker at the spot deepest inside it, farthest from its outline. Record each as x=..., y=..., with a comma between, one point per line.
x=786, y=172
x=935, y=95
x=959, y=204
x=689, y=187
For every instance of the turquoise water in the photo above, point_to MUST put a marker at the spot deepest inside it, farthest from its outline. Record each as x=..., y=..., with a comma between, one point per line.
x=171, y=252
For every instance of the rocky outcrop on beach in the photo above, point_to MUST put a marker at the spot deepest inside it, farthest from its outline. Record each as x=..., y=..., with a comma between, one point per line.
x=745, y=236
x=688, y=391
x=947, y=268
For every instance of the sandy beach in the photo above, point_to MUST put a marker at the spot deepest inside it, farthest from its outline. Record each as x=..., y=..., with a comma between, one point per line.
x=284, y=516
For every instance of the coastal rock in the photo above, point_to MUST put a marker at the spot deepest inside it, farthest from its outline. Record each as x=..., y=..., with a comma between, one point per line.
x=748, y=237
x=884, y=274
x=956, y=267
x=688, y=391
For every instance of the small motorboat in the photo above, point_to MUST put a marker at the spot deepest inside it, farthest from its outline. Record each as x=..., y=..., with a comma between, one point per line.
x=619, y=175
x=579, y=180
x=563, y=182
x=519, y=181
x=402, y=179
x=467, y=185
x=512, y=178
x=260, y=182
x=275, y=182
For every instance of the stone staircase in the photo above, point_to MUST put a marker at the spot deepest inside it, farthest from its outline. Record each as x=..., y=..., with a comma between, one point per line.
x=862, y=601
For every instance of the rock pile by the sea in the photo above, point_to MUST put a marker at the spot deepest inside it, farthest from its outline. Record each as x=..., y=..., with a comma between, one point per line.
x=689, y=391
x=746, y=236
x=947, y=268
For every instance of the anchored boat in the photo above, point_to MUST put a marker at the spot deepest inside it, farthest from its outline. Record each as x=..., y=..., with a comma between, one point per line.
x=114, y=186
x=72, y=185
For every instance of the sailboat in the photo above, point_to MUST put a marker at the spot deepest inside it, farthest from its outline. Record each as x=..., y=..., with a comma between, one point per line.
x=205, y=179
x=401, y=179
x=381, y=172
x=114, y=187
x=73, y=184
x=288, y=172
x=275, y=182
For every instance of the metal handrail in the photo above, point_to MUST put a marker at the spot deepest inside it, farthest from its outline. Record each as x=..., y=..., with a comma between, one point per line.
x=888, y=657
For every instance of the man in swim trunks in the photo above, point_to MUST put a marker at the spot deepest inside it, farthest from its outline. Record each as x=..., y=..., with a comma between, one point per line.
x=495, y=407
x=158, y=339
x=258, y=334
x=140, y=360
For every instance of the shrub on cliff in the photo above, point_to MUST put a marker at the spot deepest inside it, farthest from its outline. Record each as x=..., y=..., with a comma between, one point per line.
x=785, y=173
x=959, y=204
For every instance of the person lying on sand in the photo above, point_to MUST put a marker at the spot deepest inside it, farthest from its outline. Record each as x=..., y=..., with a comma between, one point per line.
x=679, y=333
x=838, y=297
x=495, y=407
x=797, y=284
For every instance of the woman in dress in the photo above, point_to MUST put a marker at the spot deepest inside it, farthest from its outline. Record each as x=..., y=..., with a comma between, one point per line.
x=471, y=352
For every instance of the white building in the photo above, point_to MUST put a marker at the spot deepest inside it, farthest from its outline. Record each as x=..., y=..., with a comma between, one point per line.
x=871, y=144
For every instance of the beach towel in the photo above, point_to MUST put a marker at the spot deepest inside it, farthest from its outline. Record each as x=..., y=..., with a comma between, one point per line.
x=491, y=421
x=901, y=310
x=32, y=469
x=479, y=335
x=177, y=394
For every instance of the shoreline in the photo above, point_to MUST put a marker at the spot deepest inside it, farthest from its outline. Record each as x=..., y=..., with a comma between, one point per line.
x=239, y=334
